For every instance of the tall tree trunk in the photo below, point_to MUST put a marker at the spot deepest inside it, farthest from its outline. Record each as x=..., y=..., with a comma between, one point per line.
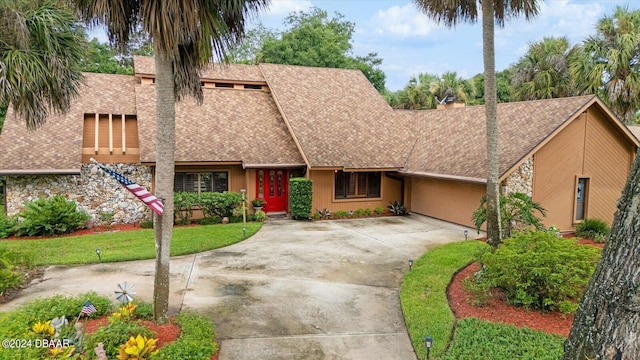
x=494, y=231
x=164, y=176
x=607, y=323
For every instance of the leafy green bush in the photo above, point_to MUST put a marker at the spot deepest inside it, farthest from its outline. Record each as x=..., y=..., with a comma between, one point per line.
x=196, y=339
x=594, y=229
x=147, y=224
x=340, y=214
x=7, y=226
x=478, y=339
x=210, y=220
x=260, y=216
x=184, y=203
x=300, y=198
x=517, y=212
x=379, y=210
x=113, y=335
x=52, y=216
x=219, y=204
x=540, y=270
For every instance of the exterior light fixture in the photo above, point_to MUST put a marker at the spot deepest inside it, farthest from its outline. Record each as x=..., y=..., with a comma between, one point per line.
x=466, y=233
x=98, y=253
x=410, y=263
x=428, y=341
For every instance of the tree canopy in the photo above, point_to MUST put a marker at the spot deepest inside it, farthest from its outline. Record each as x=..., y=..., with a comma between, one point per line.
x=39, y=54
x=312, y=38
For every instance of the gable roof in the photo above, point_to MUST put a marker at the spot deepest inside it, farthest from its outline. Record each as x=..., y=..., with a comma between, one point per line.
x=453, y=141
x=230, y=126
x=56, y=147
x=145, y=65
x=338, y=119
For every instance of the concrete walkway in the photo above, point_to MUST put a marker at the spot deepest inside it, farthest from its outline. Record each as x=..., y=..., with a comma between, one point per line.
x=295, y=290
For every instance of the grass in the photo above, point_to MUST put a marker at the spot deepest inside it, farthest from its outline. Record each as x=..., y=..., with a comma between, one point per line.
x=426, y=311
x=423, y=294
x=479, y=340
x=127, y=245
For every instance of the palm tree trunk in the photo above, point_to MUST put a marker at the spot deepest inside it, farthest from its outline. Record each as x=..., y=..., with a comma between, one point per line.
x=608, y=319
x=494, y=232
x=164, y=176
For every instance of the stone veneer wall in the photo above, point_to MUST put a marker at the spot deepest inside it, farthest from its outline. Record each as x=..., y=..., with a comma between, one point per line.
x=93, y=190
x=521, y=180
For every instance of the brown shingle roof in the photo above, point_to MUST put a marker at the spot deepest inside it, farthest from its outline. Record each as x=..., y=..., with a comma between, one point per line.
x=338, y=117
x=230, y=125
x=57, y=145
x=635, y=130
x=145, y=65
x=453, y=141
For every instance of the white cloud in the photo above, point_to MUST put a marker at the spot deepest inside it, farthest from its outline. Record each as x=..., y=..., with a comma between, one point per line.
x=281, y=8
x=403, y=21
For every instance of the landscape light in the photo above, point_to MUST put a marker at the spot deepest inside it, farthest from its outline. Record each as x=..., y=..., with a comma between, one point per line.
x=410, y=263
x=466, y=233
x=428, y=340
x=98, y=253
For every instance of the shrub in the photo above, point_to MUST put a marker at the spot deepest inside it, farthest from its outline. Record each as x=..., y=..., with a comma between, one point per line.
x=300, y=198
x=195, y=341
x=147, y=224
x=539, y=270
x=397, y=208
x=183, y=205
x=517, y=212
x=219, y=204
x=360, y=212
x=594, y=229
x=7, y=226
x=113, y=335
x=379, y=210
x=260, y=216
x=368, y=212
x=210, y=220
x=52, y=216
x=340, y=214
x=323, y=213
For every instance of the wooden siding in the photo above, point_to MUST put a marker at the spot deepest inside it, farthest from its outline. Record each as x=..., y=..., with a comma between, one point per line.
x=323, y=193
x=606, y=160
x=452, y=201
x=110, y=145
x=589, y=147
x=555, y=167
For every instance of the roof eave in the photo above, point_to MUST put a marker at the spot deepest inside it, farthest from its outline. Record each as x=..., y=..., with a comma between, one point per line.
x=443, y=176
x=23, y=172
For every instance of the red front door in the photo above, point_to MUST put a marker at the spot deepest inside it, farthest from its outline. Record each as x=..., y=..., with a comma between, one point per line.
x=272, y=185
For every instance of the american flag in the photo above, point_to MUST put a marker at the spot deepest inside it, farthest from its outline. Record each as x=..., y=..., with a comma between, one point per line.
x=88, y=308
x=141, y=193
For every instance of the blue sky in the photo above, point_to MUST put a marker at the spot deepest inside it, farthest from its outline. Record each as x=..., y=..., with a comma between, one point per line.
x=409, y=43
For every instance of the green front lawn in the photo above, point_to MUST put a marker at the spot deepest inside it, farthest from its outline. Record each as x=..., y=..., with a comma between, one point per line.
x=427, y=313
x=127, y=245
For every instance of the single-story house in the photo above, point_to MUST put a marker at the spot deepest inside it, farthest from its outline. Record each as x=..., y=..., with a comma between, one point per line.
x=259, y=125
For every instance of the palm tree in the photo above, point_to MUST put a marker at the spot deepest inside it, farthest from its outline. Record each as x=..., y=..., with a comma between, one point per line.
x=493, y=12
x=609, y=63
x=543, y=72
x=39, y=54
x=450, y=85
x=186, y=35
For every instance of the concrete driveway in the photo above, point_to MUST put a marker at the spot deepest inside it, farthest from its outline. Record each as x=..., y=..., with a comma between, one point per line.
x=295, y=290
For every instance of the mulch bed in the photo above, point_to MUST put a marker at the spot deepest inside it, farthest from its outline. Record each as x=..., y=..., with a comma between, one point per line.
x=498, y=311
